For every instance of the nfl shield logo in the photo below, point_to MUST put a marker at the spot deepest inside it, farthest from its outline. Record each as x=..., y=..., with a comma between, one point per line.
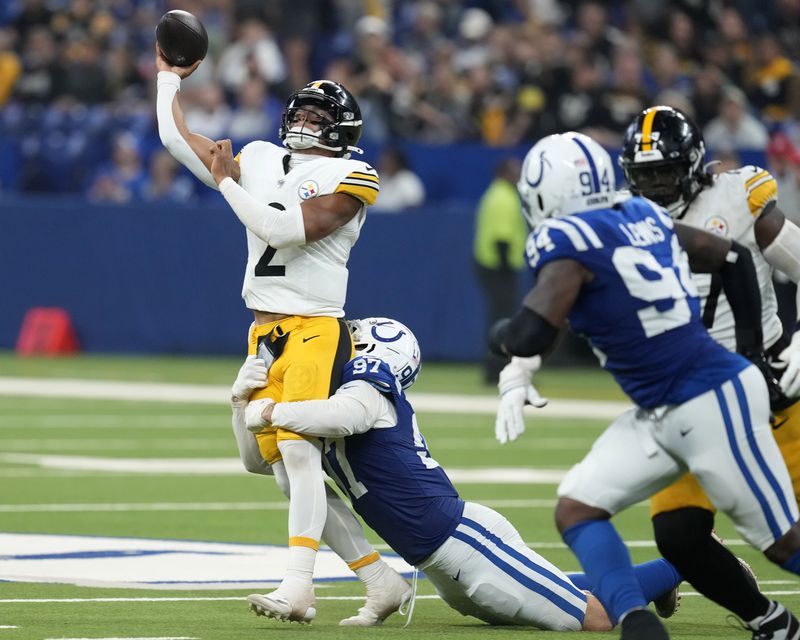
x=309, y=189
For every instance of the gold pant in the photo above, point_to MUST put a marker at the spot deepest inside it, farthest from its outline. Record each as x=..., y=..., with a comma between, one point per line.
x=309, y=368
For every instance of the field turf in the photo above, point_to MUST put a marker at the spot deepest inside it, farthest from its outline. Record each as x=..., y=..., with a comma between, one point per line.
x=40, y=499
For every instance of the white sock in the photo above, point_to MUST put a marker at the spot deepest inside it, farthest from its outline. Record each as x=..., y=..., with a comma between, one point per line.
x=342, y=532
x=307, y=508
x=372, y=573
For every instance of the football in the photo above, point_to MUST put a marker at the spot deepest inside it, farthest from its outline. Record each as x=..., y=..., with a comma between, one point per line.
x=182, y=38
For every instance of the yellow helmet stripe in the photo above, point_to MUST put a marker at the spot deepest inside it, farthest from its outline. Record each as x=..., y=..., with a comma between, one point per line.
x=647, y=129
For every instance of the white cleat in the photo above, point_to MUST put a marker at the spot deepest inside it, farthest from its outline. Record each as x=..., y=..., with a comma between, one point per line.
x=383, y=599
x=278, y=606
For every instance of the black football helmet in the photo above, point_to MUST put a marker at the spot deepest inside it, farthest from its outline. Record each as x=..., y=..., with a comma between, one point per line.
x=663, y=158
x=339, y=132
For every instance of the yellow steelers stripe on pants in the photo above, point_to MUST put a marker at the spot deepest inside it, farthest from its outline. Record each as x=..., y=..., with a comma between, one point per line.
x=366, y=560
x=301, y=541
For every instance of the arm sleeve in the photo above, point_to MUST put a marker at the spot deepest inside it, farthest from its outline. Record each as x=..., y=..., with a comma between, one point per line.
x=740, y=284
x=168, y=85
x=353, y=409
x=246, y=441
x=783, y=253
x=277, y=228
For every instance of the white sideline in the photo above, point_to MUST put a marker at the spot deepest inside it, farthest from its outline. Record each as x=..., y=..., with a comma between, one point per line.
x=218, y=394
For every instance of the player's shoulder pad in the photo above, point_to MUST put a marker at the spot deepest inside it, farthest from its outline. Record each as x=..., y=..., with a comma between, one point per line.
x=358, y=179
x=374, y=371
x=759, y=186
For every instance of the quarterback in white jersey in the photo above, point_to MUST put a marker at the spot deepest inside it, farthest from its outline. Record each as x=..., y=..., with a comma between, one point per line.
x=302, y=205
x=663, y=160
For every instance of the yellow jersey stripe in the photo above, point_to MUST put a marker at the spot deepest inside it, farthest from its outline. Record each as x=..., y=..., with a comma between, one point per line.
x=647, y=130
x=755, y=178
x=761, y=195
x=302, y=541
x=363, y=176
x=367, y=195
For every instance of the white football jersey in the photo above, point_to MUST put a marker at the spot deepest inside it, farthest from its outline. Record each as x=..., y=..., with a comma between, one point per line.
x=307, y=280
x=730, y=207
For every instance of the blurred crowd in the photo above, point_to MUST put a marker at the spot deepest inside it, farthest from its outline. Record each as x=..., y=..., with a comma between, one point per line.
x=77, y=77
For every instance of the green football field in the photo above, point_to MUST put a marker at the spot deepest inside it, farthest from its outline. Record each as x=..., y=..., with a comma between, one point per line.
x=76, y=462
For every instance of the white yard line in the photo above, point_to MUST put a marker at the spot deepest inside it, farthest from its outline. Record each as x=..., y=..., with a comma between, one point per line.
x=787, y=592
x=219, y=395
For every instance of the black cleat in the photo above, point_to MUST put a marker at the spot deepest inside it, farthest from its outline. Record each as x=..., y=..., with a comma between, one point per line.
x=642, y=624
x=667, y=604
x=778, y=624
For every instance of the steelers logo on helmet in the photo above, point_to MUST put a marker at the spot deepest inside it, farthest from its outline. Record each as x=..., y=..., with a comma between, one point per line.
x=322, y=114
x=663, y=156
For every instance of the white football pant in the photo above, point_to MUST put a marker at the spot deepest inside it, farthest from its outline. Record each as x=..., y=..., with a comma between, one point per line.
x=485, y=570
x=723, y=437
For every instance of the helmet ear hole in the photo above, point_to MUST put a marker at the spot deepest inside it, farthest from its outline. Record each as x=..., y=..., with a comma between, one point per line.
x=540, y=201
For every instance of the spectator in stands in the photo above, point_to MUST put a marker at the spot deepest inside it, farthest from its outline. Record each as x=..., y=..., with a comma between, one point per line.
x=735, y=128
x=210, y=115
x=257, y=114
x=164, y=183
x=707, y=93
x=82, y=79
x=499, y=243
x=10, y=65
x=772, y=80
x=255, y=52
x=33, y=14
x=401, y=188
x=783, y=162
x=124, y=180
x=38, y=82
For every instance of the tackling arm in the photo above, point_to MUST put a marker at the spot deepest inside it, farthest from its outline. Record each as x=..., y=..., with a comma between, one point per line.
x=353, y=409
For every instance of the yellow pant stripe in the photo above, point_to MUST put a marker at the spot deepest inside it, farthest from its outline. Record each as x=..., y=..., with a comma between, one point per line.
x=366, y=560
x=301, y=541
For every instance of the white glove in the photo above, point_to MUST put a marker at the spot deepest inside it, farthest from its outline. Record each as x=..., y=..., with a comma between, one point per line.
x=252, y=414
x=516, y=390
x=790, y=380
x=251, y=376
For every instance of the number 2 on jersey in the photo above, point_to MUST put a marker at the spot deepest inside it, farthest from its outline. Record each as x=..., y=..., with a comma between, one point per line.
x=263, y=267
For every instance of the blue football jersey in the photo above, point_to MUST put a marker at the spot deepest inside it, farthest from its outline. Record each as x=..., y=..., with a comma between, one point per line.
x=394, y=484
x=640, y=312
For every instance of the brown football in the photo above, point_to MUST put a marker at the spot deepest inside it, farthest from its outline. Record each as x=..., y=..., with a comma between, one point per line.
x=182, y=38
